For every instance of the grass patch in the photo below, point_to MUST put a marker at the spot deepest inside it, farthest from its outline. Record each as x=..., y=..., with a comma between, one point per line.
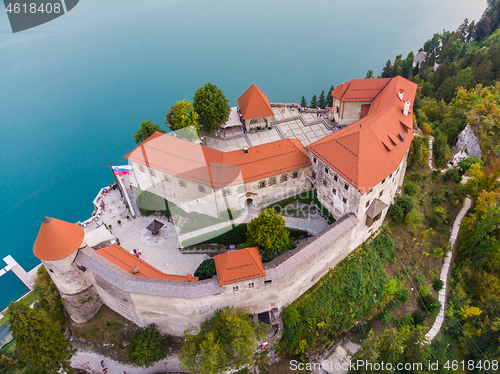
x=304, y=198
x=236, y=236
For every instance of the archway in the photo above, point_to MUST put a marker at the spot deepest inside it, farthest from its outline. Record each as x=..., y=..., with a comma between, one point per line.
x=249, y=203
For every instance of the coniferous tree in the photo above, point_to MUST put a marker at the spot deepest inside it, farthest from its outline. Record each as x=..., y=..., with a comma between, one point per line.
x=314, y=102
x=303, y=102
x=387, y=70
x=322, y=100
x=329, y=97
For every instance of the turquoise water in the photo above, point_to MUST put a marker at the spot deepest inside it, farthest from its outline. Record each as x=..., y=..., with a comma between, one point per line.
x=73, y=91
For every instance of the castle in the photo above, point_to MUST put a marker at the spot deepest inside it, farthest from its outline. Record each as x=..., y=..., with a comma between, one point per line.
x=356, y=171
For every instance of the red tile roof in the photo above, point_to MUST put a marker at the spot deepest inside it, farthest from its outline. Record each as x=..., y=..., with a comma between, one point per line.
x=360, y=89
x=367, y=151
x=209, y=166
x=238, y=266
x=254, y=103
x=57, y=239
x=127, y=261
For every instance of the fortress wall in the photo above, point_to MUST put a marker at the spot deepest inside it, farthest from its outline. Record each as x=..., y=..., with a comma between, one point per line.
x=174, y=305
x=82, y=306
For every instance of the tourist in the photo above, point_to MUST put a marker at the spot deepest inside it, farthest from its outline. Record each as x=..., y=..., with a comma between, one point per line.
x=317, y=112
x=139, y=252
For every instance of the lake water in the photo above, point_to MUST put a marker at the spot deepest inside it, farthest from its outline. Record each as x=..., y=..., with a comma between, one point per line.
x=73, y=91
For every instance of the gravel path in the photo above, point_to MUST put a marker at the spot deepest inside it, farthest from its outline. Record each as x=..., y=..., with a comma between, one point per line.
x=91, y=363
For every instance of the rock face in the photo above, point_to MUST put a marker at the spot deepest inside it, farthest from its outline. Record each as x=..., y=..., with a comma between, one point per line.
x=468, y=142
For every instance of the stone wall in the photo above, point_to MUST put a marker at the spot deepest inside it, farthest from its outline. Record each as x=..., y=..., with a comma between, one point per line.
x=82, y=306
x=174, y=305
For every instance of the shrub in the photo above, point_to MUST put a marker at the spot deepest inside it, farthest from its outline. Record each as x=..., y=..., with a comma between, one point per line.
x=411, y=188
x=425, y=290
x=430, y=305
x=145, y=348
x=406, y=272
x=416, y=176
x=438, y=253
x=403, y=295
x=435, y=174
x=437, y=285
x=452, y=175
x=465, y=164
x=392, y=286
x=406, y=203
x=406, y=321
x=418, y=318
x=435, y=221
x=119, y=222
x=397, y=213
x=414, y=218
x=206, y=270
x=420, y=279
x=385, y=317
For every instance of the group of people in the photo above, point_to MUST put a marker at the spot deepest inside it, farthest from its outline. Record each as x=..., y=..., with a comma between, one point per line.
x=137, y=252
x=104, y=369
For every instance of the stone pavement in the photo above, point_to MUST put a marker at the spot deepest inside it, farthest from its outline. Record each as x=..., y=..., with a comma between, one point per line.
x=438, y=323
x=91, y=363
x=160, y=251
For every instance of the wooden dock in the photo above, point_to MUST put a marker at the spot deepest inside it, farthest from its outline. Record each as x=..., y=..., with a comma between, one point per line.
x=28, y=278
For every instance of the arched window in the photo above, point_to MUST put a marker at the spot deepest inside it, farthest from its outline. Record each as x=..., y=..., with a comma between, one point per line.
x=167, y=178
x=202, y=188
x=284, y=178
x=272, y=181
x=182, y=183
x=262, y=184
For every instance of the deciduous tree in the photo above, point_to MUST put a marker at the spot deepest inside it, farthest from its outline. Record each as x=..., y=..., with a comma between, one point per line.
x=145, y=348
x=229, y=338
x=147, y=129
x=212, y=106
x=184, y=120
x=268, y=232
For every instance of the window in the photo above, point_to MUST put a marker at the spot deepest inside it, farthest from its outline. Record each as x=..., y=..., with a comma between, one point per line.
x=326, y=169
x=262, y=184
x=152, y=172
x=313, y=175
x=295, y=175
x=324, y=183
x=337, y=109
x=166, y=178
x=284, y=178
x=314, y=160
x=182, y=183
x=142, y=168
x=381, y=193
x=335, y=178
x=371, y=190
x=344, y=200
x=267, y=282
x=390, y=176
x=241, y=189
x=346, y=187
x=250, y=285
x=272, y=181
x=383, y=181
x=367, y=203
x=202, y=188
x=334, y=191
x=226, y=191
x=236, y=288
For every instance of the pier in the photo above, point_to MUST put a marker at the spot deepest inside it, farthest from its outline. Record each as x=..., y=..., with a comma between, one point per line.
x=28, y=278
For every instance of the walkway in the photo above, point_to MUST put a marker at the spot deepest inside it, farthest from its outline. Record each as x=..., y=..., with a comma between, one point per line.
x=90, y=362
x=438, y=323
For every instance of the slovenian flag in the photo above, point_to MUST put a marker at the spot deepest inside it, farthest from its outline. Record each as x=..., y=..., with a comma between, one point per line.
x=122, y=170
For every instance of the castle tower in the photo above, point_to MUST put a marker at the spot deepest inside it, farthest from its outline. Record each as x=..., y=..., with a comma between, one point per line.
x=56, y=246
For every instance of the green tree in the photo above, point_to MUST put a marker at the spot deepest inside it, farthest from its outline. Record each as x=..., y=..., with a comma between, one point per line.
x=212, y=106
x=49, y=300
x=322, y=100
x=229, y=338
x=314, y=102
x=368, y=352
x=268, y=232
x=206, y=270
x=369, y=74
x=329, y=97
x=145, y=348
x=183, y=119
x=441, y=150
x=147, y=129
x=40, y=342
x=387, y=70
x=303, y=102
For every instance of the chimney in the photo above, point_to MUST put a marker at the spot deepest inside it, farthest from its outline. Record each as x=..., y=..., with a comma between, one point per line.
x=400, y=95
x=245, y=149
x=406, y=108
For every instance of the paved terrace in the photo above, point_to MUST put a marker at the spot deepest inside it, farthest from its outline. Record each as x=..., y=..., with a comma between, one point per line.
x=160, y=251
x=306, y=127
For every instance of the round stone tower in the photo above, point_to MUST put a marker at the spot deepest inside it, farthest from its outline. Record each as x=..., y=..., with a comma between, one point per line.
x=56, y=246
